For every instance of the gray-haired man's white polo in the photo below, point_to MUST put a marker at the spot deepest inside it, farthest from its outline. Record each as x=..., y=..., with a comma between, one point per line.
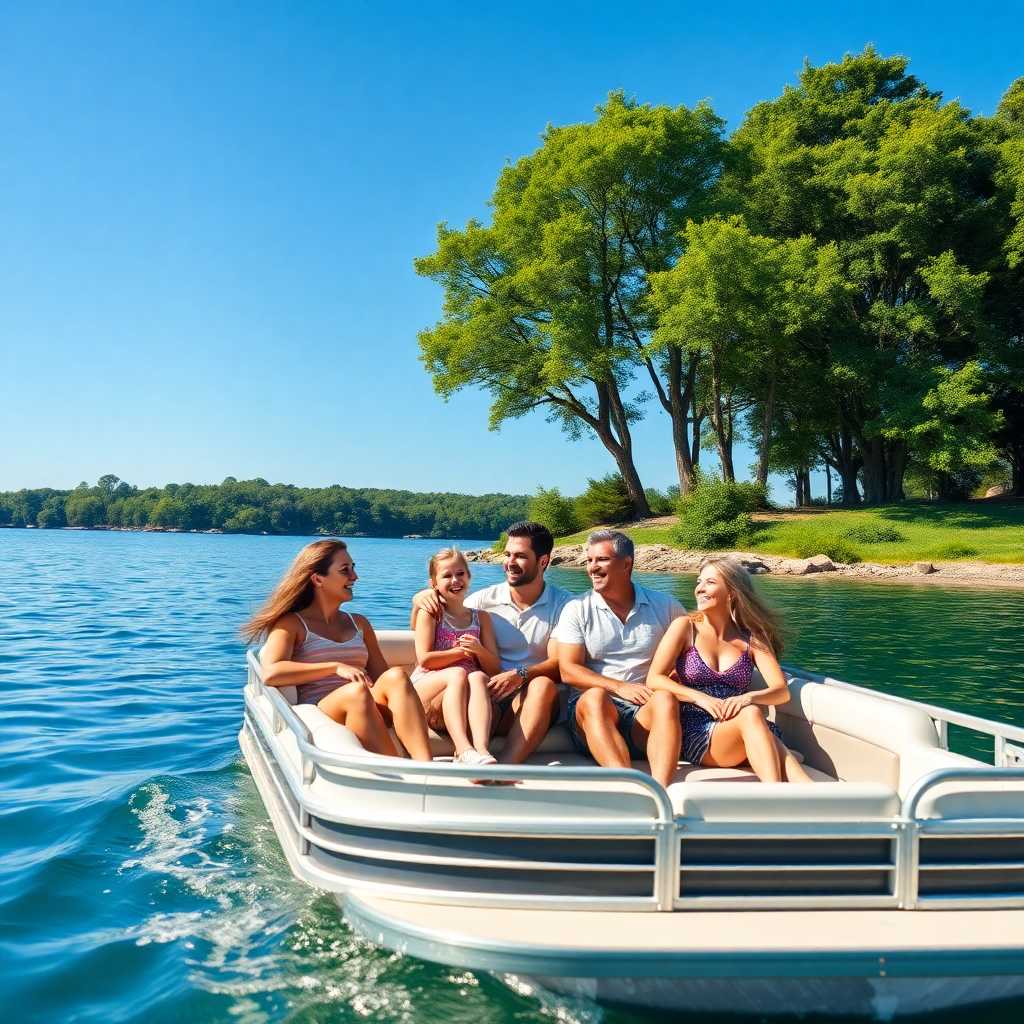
x=617, y=649
x=522, y=634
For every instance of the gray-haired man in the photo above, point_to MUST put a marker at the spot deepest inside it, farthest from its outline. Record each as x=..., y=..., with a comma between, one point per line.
x=606, y=639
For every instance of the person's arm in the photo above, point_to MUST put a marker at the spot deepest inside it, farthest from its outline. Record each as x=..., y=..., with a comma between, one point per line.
x=429, y=601
x=484, y=649
x=679, y=637
x=426, y=656
x=572, y=665
x=279, y=670
x=777, y=689
x=376, y=663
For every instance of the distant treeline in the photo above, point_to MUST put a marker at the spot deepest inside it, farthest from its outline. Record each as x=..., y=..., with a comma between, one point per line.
x=256, y=506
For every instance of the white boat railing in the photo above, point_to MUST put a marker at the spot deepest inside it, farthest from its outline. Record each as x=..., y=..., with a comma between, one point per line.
x=661, y=826
x=1005, y=753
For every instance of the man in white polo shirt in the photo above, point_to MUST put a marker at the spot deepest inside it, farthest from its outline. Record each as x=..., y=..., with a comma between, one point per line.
x=524, y=610
x=606, y=639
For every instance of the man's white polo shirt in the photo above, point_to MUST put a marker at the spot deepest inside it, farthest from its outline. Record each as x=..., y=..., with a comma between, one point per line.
x=617, y=649
x=522, y=634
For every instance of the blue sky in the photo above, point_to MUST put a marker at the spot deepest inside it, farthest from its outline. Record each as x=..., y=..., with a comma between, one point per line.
x=210, y=212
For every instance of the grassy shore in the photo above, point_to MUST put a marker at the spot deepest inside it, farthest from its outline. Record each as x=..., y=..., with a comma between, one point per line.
x=985, y=531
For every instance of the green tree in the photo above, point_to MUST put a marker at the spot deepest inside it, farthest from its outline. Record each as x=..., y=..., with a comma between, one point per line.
x=84, y=509
x=742, y=303
x=556, y=512
x=545, y=307
x=605, y=501
x=862, y=155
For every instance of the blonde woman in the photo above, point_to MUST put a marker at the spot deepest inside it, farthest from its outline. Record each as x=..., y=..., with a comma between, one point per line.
x=332, y=657
x=713, y=654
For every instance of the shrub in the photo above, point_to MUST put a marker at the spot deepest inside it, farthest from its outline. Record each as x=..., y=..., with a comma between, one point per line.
x=716, y=514
x=662, y=503
x=874, y=533
x=604, y=501
x=837, y=547
x=557, y=513
x=499, y=545
x=954, y=550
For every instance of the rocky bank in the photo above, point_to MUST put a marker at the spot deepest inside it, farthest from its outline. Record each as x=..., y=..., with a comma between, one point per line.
x=660, y=558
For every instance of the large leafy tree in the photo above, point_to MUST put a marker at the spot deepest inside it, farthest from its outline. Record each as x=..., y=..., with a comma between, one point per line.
x=545, y=307
x=746, y=307
x=862, y=155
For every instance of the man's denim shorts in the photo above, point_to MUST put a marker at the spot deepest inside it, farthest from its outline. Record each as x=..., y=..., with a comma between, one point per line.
x=627, y=715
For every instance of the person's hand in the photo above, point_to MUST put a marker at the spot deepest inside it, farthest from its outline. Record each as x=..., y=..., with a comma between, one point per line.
x=504, y=683
x=471, y=645
x=634, y=693
x=351, y=674
x=712, y=705
x=429, y=601
x=732, y=706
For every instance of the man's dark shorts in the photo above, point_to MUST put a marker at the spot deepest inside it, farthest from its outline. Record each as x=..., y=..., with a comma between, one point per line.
x=627, y=716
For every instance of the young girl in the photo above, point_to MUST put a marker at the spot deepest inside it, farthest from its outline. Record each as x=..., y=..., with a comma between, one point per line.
x=714, y=654
x=456, y=656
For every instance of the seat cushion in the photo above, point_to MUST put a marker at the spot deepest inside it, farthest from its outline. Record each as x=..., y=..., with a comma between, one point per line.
x=784, y=801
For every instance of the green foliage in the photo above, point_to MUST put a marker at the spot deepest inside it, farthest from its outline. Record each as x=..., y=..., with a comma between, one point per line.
x=715, y=514
x=954, y=551
x=498, y=547
x=814, y=542
x=556, y=512
x=662, y=503
x=604, y=502
x=256, y=506
x=545, y=306
x=874, y=533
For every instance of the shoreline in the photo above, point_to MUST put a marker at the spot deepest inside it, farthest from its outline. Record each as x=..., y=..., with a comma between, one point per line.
x=661, y=558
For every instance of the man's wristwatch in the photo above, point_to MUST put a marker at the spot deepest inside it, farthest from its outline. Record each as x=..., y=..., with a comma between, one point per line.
x=522, y=671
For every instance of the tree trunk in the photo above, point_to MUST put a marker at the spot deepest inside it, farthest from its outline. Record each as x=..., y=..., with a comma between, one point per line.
x=807, y=486
x=766, y=433
x=680, y=397
x=828, y=484
x=884, y=466
x=847, y=463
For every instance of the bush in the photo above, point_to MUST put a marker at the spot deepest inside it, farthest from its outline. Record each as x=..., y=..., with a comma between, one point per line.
x=874, y=533
x=954, y=550
x=716, y=514
x=662, y=503
x=604, y=501
x=837, y=547
x=557, y=513
x=499, y=545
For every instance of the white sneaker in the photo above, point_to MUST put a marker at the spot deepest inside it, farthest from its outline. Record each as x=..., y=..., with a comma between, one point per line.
x=469, y=756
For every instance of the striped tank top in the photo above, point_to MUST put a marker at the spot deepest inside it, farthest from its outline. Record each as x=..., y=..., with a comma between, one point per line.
x=315, y=649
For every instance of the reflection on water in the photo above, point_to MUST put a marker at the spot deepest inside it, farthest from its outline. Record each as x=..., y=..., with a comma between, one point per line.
x=140, y=878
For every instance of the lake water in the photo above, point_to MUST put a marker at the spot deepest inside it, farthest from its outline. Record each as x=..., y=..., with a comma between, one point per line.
x=139, y=877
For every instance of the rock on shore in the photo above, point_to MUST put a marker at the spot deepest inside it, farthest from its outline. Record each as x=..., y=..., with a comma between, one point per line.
x=661, y=558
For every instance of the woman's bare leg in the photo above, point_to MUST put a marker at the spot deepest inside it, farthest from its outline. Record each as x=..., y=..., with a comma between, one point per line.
x=745, y=738
x=395, y=692
x=792, y=769
x=353, y=706
x=479, y=711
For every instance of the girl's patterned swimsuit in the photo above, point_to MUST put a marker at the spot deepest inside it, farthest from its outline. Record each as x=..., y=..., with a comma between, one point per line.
x=446, y=636
x=698, y=725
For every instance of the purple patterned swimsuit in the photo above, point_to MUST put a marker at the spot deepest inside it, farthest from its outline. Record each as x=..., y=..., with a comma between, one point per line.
x=697, y=723
x=446, y=636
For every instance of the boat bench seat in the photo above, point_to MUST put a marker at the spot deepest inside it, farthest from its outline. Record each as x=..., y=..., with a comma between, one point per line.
x=841, y=735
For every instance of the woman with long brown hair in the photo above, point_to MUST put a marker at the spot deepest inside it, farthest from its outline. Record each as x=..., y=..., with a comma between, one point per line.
x=332, y=657
x=713, y=654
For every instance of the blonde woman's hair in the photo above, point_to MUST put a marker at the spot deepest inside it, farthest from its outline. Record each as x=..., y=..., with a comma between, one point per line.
x=295, y=590
x=443, y=556
x=748, y=610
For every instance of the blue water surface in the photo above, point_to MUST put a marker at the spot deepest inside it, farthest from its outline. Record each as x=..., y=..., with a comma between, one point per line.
x=139, y=876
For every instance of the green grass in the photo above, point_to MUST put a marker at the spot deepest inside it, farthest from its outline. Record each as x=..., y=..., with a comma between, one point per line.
x=974, y=531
